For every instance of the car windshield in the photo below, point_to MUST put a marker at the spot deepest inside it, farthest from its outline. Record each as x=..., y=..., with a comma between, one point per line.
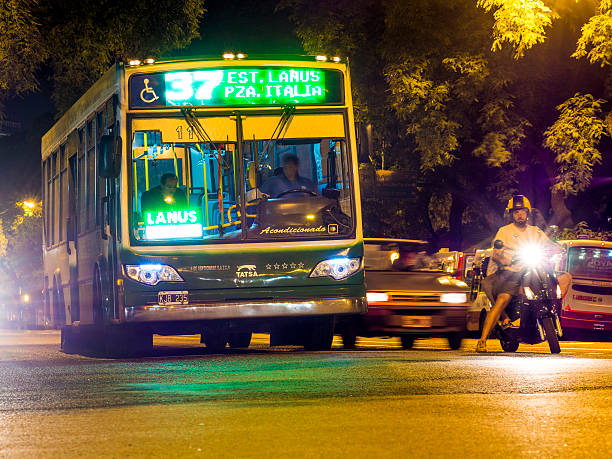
x=400, y=256
x=592, y=262
x=190, y=191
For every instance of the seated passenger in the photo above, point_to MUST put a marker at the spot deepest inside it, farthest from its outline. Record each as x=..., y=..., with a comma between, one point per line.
x=165, y=196
x=288, y=179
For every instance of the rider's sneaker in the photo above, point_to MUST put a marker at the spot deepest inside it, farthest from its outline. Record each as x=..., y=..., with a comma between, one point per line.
x=516, y=323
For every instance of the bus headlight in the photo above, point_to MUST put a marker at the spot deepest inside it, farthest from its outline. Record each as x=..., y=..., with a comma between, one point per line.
x=337, y=268
x=453, y=298
x=152, y=274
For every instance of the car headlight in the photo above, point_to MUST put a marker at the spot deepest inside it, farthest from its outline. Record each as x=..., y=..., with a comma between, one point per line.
x=152, y=274
x=377, y=297
x=337, y=268
x=453, y=297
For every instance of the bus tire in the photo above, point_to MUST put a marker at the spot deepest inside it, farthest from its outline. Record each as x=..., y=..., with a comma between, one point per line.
x=122, y=342
x=319, y=335
x=240, y=340
x=349, y=337
x=215, y=342
x=70, y=342
x=98, y=313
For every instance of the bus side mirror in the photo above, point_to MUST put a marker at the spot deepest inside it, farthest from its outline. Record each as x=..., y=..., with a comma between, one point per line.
x=109, y=156
x=252, y=174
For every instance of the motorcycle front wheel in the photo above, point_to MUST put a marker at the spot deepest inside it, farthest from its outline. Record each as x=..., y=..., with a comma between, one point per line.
x=551, y=335
x=509, y=345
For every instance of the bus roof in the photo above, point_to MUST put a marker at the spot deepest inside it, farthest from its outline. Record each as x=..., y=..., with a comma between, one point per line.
x=98, y=94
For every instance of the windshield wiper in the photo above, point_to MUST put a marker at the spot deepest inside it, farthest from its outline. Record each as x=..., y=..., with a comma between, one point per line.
x=194, y=123
x=288, y=112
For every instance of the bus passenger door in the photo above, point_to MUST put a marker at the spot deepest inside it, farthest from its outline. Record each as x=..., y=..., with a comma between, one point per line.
x=71, y=244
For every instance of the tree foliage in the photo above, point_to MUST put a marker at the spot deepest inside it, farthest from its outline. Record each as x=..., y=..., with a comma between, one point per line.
x=80, y=40
x=465, y=118
x=22, y=48
x=595, y=42
x=521, y=23
x=21, y=261
x=574, y=138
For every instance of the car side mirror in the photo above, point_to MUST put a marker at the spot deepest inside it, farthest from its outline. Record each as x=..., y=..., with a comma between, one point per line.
x=498, y=244
x=109, y=156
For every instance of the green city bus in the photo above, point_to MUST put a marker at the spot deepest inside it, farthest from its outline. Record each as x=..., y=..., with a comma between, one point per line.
x=170, y=205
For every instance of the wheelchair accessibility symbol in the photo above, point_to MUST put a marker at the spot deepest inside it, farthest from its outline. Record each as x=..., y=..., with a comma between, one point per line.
x=147, y=95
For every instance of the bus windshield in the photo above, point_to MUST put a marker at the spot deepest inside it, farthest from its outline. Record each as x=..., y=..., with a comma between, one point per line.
x=591, y=262
x=191, y=191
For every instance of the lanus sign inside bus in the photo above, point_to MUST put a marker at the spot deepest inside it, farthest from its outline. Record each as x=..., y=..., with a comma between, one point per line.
x=172, y=224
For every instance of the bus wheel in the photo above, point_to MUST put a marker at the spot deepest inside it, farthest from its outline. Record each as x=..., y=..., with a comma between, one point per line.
x=122, y=342
x=349, y=337
x=319, y=335
x=98, y=315
x=240, y=340
x=70, y=343
x=215, y=342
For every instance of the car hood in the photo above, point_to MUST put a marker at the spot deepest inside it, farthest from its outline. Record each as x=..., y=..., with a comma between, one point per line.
x=413, y=281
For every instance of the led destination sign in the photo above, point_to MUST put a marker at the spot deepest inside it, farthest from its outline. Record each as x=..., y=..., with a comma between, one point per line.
x=235, y=86
x=173, y=224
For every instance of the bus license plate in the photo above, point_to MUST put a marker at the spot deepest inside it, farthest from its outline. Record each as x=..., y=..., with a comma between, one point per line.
x=416, y=321
x=168, y=298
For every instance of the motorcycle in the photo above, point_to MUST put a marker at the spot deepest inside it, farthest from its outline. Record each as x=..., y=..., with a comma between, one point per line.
x=537, y=305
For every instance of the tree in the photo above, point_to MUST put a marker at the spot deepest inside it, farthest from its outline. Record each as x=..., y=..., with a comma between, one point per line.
x=80, y=41
x=22, y=49
x=21, y=245
x=466, y=118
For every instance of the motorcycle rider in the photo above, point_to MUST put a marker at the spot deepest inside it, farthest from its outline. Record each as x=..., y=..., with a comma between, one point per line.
x=504, y=277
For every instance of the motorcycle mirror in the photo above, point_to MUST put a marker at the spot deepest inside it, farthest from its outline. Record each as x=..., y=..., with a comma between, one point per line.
x=498, y=244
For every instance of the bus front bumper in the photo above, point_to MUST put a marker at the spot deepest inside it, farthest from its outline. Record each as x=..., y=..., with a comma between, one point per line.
x=246, y=310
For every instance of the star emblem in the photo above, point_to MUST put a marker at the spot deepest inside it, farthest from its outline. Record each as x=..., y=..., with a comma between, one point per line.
x=268, y=267
x=292, y=265
x=285, y=266
x=276, y=266
x=301, y=265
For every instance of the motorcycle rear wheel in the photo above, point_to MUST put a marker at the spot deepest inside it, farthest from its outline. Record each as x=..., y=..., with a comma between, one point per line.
x=551, y=335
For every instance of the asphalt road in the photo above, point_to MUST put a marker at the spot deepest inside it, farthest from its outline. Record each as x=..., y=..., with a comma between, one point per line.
x=376, y=401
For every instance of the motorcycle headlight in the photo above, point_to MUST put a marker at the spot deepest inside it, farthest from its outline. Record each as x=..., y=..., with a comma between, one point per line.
x=337, y=268
x=529, y=293
x=531, y=255
x=453, y=298
x=152, y=274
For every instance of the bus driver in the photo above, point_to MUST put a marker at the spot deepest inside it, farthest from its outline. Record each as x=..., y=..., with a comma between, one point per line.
x=288, y=179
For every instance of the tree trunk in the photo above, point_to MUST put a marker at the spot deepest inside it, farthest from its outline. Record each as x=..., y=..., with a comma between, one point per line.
x=456, y=222
x=561, y=215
